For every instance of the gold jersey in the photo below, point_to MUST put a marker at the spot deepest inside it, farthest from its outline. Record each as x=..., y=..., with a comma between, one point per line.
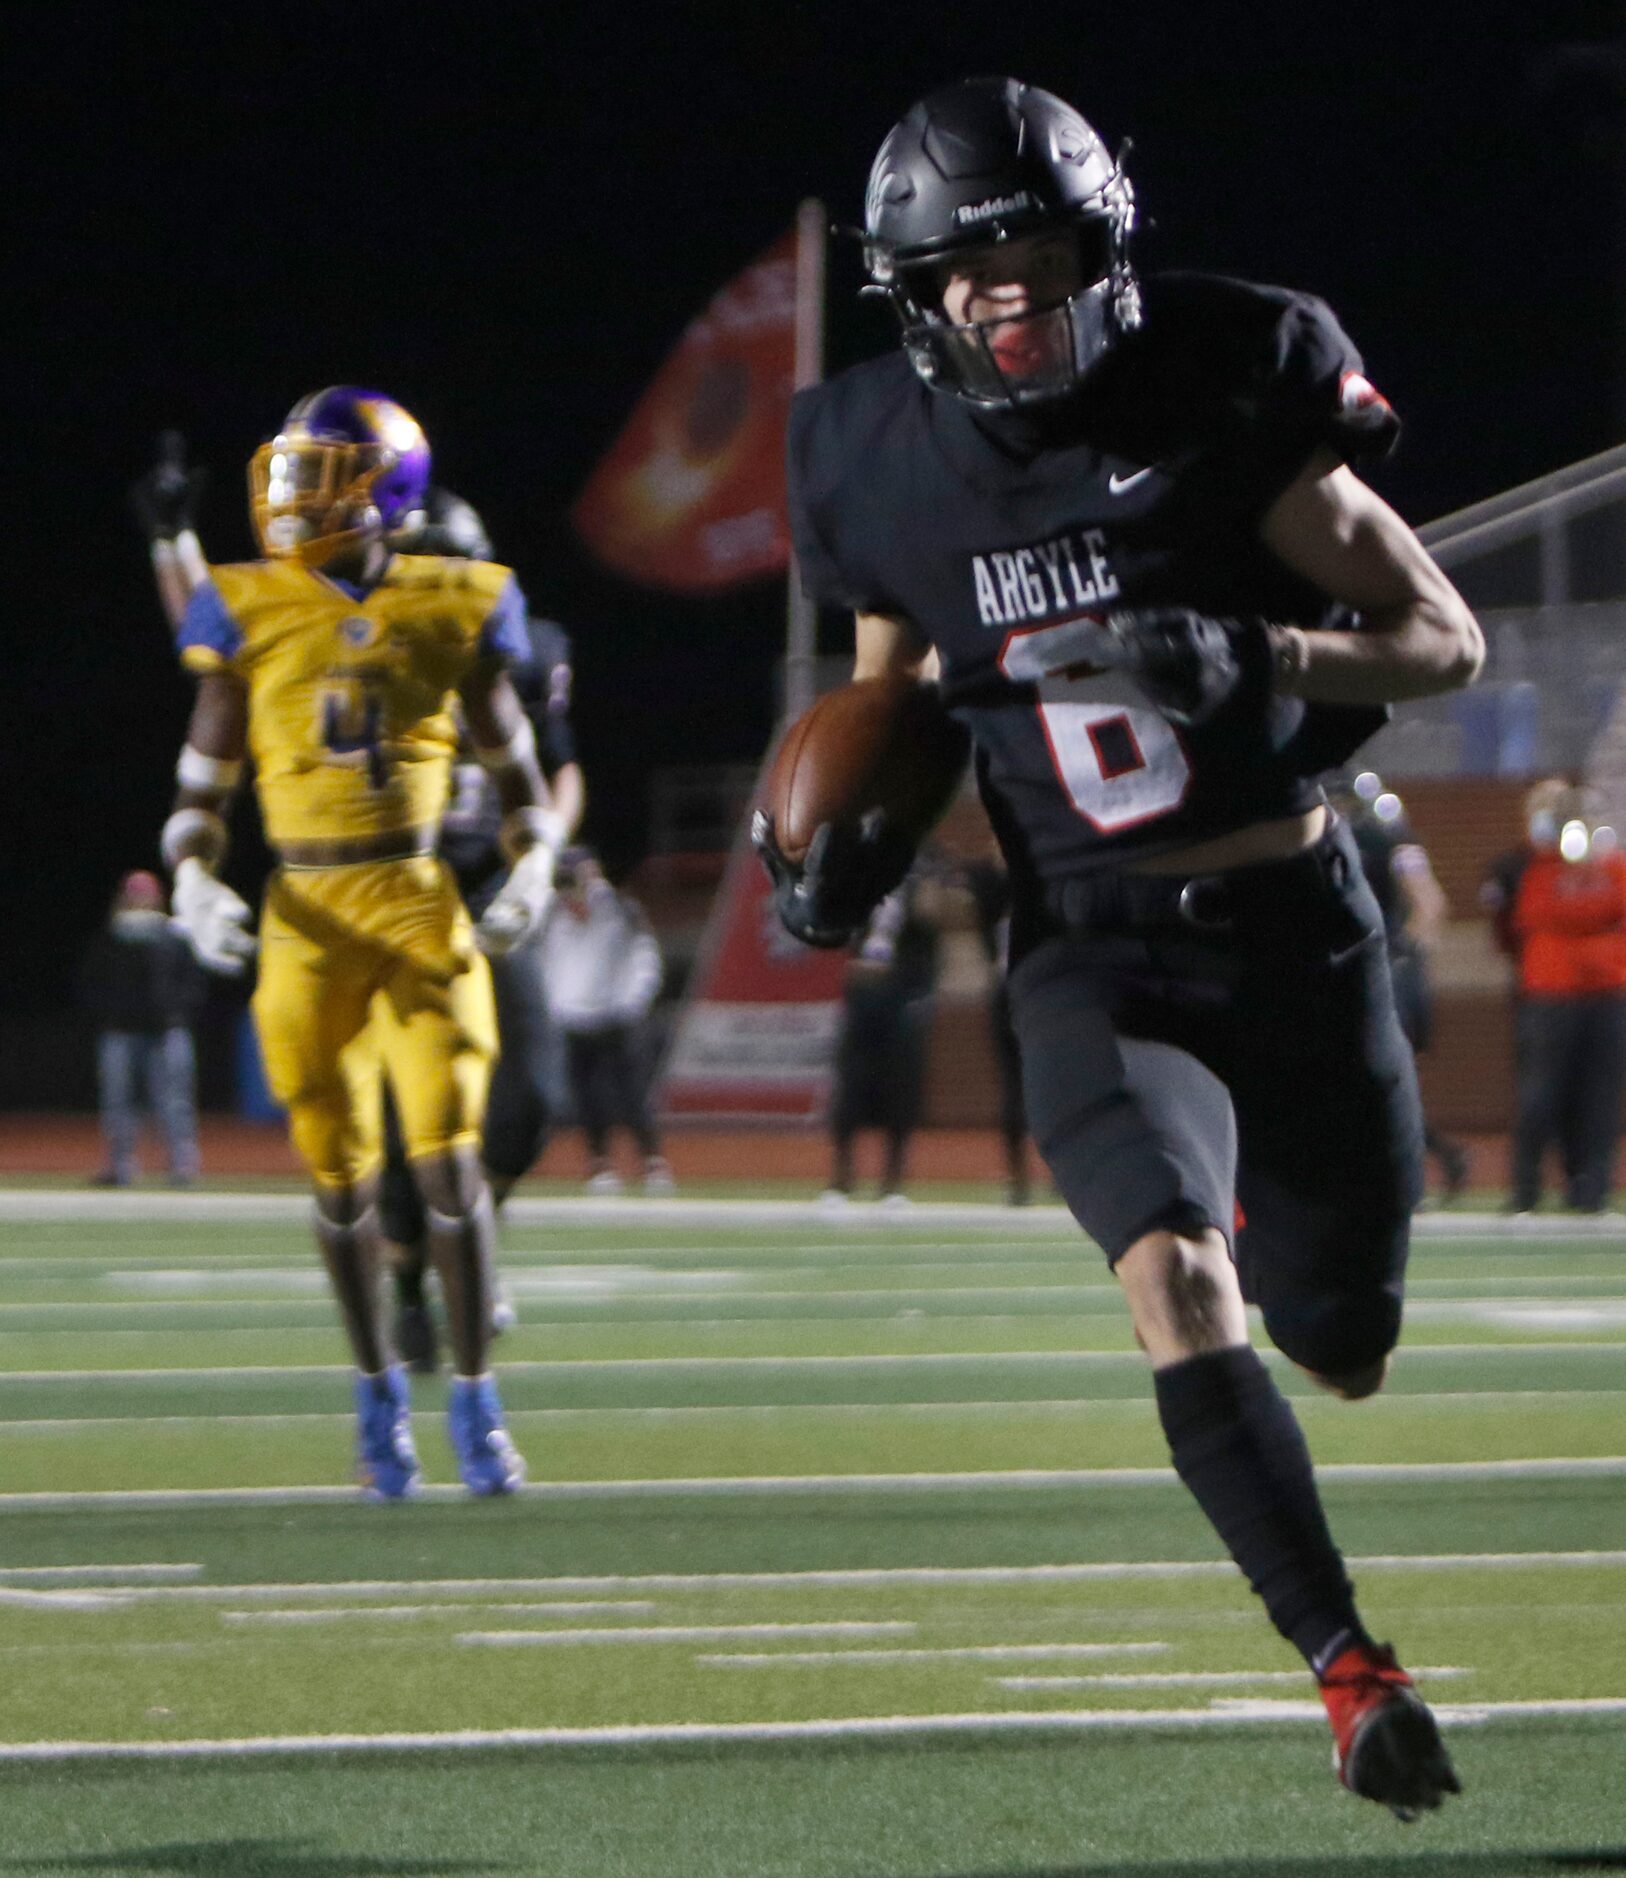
x=350, y=692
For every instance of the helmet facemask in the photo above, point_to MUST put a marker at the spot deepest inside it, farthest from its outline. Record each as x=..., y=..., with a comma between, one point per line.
x=313, y=499
x=1040, y=354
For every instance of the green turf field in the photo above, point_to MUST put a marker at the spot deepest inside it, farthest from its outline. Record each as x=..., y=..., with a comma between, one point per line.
x=852, y=1551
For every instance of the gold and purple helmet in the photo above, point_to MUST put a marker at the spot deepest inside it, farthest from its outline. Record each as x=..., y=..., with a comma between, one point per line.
x=347, y=467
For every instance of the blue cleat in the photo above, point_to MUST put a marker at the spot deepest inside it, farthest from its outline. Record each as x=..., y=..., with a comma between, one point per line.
x=486, y=1457
x=386, y=1460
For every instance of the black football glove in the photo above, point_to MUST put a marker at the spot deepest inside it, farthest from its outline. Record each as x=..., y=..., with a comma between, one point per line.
x=1187, y=663
x=847, y=871
x=166, y=498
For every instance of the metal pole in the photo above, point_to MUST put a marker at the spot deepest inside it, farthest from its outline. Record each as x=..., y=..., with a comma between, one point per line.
x=801, y=616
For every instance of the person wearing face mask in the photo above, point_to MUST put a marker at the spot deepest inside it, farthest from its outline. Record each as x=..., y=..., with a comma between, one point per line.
x=141, y=987
x=1565, y=920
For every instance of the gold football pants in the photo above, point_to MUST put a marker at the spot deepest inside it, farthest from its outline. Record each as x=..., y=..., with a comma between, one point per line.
x=366, y=968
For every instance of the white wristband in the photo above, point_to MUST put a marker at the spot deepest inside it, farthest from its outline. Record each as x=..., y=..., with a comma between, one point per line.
x=527, y=828
x=519, y=748
x=193, y=834
x=215, y=774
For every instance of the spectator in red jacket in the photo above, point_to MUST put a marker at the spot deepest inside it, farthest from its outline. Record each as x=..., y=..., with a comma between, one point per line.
x=1568, y=920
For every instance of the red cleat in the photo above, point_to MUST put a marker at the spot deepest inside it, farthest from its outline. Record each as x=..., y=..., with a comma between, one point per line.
x=1386, y=1746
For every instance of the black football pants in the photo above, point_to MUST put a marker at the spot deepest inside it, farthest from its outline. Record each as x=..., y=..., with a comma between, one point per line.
x=1224, y=1052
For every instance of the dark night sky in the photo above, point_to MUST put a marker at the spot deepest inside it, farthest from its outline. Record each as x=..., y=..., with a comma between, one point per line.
x=504, y=215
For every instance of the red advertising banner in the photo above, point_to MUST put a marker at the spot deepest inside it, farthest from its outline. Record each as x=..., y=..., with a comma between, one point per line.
x=691, y=495
x=757, y=1035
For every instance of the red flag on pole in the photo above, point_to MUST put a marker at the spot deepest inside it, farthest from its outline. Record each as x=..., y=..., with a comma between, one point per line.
x=691, y=495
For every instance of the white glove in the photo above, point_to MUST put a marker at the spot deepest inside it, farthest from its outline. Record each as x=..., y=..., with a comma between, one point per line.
x=213, y=918
x=522, y=905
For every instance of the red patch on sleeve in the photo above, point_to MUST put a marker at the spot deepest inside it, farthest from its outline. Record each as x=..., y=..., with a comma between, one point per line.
x=1358, y=393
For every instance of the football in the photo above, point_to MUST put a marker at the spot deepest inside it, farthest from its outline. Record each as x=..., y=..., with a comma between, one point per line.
x=875, y=743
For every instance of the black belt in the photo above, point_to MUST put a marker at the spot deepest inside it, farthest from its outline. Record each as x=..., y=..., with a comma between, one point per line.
x=1118, y=901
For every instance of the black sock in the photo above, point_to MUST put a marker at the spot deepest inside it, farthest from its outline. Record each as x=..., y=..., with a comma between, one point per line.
x=1239, y=1449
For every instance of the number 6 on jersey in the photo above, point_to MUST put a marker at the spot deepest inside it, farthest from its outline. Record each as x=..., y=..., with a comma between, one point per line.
x=1119, y=762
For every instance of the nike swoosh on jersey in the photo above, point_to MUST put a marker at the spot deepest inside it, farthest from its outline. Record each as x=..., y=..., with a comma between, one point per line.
x=1117, y=484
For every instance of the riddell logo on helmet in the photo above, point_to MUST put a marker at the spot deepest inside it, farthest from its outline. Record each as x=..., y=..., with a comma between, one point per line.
x=995, y=205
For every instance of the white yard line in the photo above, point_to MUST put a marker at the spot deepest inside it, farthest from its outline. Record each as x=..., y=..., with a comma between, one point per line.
x=1049, y=1221
x=681, y=1633
x=723, y=1734
x=849, y=1578
x=634, y=1365
x=1089, y=1300
x=969, y=1652
x=1183, y=1679
x=97, y=1574
x=737, y=1293
x=13, y=1600
x=459, y=1607
x=818, y=1486
x=1131, y=1407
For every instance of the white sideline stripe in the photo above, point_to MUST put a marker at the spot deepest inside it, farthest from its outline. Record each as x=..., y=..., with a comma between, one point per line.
x=1511, y=1316
x=975, y=1652
x=326, y=1614
x=1581, y=1307
x=684, y=1633
x=607, y=1365
x=1132, y=1407
x=612, y=1280
x=112, y=1249
x=857, y=1577
x=821, y=1485
x=96, y=1574
x=1182, y=1679
x=1044, y=1220
x=855, y=1728
x=734, y=1294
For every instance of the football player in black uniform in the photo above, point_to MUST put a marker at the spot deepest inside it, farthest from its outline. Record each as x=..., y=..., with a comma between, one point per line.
x=520, y=1105
x=1117, y=521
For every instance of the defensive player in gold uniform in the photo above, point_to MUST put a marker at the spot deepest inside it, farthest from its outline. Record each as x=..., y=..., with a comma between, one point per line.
x=340, y=669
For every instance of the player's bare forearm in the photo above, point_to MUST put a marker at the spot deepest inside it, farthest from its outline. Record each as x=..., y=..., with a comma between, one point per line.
x=180, y=569
x=208, y=771
x=505, y=742
x=569, y=788
x=889, y=646
x=1418, y=636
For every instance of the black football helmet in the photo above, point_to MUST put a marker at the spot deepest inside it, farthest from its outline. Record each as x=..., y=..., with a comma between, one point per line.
x=986, y=161
x=443, y=524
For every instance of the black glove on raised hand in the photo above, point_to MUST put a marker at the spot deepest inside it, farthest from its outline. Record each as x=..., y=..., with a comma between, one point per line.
x=1187, y=663
x=166, y=498
x=844, y=876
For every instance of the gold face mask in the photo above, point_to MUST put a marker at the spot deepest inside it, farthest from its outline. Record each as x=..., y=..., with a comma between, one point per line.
x=312, y=499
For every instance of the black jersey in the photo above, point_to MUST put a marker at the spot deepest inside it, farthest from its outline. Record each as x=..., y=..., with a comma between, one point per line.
x=995, y=535
x=473, y=818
